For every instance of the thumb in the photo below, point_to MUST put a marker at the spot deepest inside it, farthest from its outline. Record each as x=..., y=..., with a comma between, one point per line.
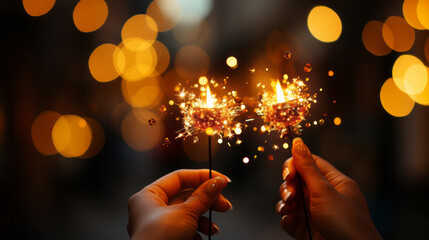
x=306, y=166
x=205, y=195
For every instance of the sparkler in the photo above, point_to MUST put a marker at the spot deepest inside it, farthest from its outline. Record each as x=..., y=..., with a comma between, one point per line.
x=215, y=116
x=283, y=112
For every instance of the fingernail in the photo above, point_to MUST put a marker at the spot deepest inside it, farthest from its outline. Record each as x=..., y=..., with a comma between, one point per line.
x=228, y=179
x=279, y=208
x=283, y=218
x=230, y=205
x=285, y=172
x=217, y=230
x=286, y=194
x=299, y=147
x=215, y=185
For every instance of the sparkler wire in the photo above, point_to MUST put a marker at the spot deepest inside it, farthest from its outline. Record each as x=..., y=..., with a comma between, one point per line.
x=210, y=175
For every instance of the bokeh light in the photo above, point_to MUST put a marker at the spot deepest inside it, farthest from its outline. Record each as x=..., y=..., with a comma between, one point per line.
x=423, y=97
x=194, y=11
x=143, y=93
x=71, y=136
x=41, y=132
x=397, y=34
x=246, y=160
x=166, y=13
x=101, y=63
x=139, y=32
x=394, y=101
x=337, y=121
x=409, y=9
x=163, y=58
x=38, y=8
x=422, y=12
x=324, y=24
x=372, y=39
x=409, y=74
x=232, y=62
x=98, y=138
x=196, y=33
x=135, y=65
x=191, y=62
x=203, y=80
x=137, y=132
x=90, y=15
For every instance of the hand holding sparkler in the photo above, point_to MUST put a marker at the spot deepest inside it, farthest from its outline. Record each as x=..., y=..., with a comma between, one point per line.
x=337, y=207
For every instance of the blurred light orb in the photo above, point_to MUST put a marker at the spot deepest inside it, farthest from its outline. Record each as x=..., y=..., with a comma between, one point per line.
x=409, y=9
x=203, y=80
x=372, y=38
x=397, y=34
x=163, y=58
x=423, y=97
x=135, y=65
x=71, y=136
x=143, y=93
x=139, y=32
x=98, y=138
x=422, y=12
x=285, y=145
x=90, y=15
x=166, y=13
x=194, y=11
x=324, y=24
x=394, y=101
x=101, y=63
x=232, y=62
x=246, y=160
x=410, y=82
x=37, y=8
x=337, y=121
x=41, y=132
x=138, y=134
x=191, y=62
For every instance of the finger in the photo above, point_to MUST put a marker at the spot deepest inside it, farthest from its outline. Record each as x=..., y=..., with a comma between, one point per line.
x=181, y=197
x=289, y=170
x=289, y=224
x=203, y=226
x=331, y=173
x=197, y=237
x=283, y=208
x=287, y=191
x=168, y=186
x=203, y=197
x=221, y=204
x=306, y=166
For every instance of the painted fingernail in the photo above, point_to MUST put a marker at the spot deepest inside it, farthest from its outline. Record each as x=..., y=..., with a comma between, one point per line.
x=215, y=185
x=299, y=147
x=279, y=208
x=216, y=228
x=283, y=218
x=285, y=172
x=228, y=179
x=286, y=194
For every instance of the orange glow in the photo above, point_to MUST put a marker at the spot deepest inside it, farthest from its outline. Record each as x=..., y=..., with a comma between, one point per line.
x=280, y=94
x=337, y=121
x=139, y=32
x=98, y=138
x=163, y=58
x=209, y=100
x=422, y=12
x=324, y=24
x=372, y=38
x=191, y=62
x=409, y=9
x=166, y=17
x=203, y=80
x=41, y=132
x=143, y=93
x=90, y=15
x=232, y=62
x=101, y=63
x=423, y=97
x=409, y=74
x=138, y=134
x=38, y=8
x=71, y=136
x=397, y=34
x=394, y=101
x=135, y=65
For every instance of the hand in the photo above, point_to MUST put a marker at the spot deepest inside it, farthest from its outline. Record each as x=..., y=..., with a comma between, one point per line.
x=337, y=207
x=172, y=207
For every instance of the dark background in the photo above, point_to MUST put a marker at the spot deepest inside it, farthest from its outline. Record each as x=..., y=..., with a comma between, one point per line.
x=44, y=62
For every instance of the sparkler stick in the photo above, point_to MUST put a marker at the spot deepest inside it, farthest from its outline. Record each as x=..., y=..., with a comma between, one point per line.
x=210, y=175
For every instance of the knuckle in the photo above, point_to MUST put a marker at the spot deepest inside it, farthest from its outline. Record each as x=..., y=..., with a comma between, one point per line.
x=132, y=199
x=202, y=198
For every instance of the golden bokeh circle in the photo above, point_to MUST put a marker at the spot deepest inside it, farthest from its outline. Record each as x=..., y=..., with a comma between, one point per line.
x=372, y=38
x=139, y=32
x=394, y=101
x=90, y=15
x=101, y=63
x=38, y=8
x=324, y=24
x=41, y=132
x=397, y=34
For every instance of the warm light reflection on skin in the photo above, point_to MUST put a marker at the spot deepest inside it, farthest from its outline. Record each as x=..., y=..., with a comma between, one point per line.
x=39, y=7
x=166, y=13
x=71, y=136
x=101, y=64
x=324, y=24
x=394, y=101
x=139, y=32
x=372, y=38
x=41, y=132
x=409, y=9
x=90, y=15
x=397, y=34
x=411, y=82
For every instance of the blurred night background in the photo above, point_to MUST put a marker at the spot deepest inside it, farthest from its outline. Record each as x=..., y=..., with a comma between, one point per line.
x=75, y=142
